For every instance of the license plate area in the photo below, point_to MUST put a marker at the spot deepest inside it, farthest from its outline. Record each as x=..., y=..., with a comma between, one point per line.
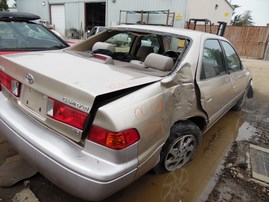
x=34, y=100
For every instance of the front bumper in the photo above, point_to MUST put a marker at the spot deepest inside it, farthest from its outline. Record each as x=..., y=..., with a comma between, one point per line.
x=63, y=162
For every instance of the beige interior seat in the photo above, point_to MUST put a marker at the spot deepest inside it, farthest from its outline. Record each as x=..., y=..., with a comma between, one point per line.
x=160, y=62
x=103, y=46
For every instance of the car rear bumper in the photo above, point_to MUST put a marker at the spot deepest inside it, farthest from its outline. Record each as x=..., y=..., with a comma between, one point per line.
x=60, y=160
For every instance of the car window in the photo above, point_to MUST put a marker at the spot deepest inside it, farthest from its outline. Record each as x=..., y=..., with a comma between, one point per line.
x=121, y=41
x=212, y=62
x=233, y=60
x=151, y=41
x=27, y=36
x=173, y=44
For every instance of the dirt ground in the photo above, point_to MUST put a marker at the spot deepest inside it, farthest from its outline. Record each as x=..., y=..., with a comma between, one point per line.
x=220, y=172
x=236, y=182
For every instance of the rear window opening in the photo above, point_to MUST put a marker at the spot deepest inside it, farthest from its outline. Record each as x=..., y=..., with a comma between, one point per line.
x=130, y=49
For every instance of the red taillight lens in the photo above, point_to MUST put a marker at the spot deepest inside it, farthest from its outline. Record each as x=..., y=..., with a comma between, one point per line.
x=100, y=57
x=113, y=140
x=11, y=84
x=66, y=114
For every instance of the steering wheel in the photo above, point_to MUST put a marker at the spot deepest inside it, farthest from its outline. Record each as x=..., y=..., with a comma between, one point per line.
x=172, y=54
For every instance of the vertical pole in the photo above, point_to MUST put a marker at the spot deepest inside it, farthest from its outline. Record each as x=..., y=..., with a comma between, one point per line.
x=167, y=17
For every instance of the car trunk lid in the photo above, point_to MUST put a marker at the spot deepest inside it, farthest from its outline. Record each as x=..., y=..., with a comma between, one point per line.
x=66, y=78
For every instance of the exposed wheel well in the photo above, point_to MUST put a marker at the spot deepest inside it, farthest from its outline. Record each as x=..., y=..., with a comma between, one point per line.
x=199, y=121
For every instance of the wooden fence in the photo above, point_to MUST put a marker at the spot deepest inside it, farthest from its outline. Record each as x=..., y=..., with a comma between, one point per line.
x=249, y=41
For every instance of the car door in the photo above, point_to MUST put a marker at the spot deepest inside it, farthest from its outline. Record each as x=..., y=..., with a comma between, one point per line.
x=235, y=69
x=213, y=81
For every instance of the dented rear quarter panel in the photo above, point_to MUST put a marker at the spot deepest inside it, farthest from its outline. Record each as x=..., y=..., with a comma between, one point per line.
x=154, y=109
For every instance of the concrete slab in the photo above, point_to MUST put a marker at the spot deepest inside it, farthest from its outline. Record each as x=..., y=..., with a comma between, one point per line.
x=259, y=158
x=26, y=195
x=15, y=169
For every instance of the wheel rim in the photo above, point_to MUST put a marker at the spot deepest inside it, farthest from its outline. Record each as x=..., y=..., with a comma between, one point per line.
x=180, y=152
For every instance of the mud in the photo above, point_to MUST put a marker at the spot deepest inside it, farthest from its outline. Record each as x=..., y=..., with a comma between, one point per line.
x=236, y=183
x=214, y=175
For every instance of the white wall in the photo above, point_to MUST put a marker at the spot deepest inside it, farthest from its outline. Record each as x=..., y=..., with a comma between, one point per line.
x=214, y=10
x=35, y=7
x=177, y=6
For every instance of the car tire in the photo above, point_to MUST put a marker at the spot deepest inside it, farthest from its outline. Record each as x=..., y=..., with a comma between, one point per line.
x=179, y=148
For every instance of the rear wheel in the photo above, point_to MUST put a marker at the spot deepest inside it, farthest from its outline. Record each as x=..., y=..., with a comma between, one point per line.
x=179, y=148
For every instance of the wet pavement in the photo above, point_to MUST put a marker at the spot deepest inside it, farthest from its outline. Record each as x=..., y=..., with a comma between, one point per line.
x=201, y=180
x=238, y=180
x=191, y=183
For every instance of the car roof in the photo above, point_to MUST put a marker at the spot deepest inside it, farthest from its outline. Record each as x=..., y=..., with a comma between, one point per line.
x=170, y=30
x=17, y=16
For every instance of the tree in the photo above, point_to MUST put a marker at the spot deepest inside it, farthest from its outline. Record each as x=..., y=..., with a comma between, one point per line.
x=244, y=19
x=3, y=5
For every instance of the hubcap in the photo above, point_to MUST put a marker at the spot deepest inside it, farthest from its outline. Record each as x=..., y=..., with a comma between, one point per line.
x=180, y=152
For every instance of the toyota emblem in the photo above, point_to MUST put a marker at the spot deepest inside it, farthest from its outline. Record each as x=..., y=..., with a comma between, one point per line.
x=29, y=78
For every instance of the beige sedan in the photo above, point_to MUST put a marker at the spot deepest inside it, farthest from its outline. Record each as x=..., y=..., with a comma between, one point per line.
x=94, y=117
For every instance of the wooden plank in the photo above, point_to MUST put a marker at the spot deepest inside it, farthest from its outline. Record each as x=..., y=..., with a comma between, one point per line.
x=249, y=41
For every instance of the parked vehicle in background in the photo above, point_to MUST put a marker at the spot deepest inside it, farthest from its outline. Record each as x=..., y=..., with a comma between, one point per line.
x=19, y=33
x=95, y=117
x=95, y=30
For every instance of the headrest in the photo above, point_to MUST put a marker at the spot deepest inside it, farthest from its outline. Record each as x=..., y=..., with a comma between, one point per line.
x=160, y=62
x=103, y=46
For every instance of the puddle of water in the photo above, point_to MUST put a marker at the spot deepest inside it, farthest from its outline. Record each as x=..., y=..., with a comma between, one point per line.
x=246, y=131
x=195, y=181
x=2, y=139
x=266, y=120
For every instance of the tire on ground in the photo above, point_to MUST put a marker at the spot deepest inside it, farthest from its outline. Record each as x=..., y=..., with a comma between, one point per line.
x=180, y=147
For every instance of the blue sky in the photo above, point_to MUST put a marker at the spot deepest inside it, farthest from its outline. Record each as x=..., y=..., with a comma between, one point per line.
x=259, y=9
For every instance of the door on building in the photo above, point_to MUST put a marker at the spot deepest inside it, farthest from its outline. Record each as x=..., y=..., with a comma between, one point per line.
x=95, y=15
x=58, y=18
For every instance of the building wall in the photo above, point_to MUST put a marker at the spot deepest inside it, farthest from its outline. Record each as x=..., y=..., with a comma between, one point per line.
x=177, y=6
x=35, y=7
x=213, y=10
x=184, y=9
x=75, y=9
x=74, y=15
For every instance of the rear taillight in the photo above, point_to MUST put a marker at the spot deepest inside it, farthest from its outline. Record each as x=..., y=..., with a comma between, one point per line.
x=66, y=114
x=11, y=84
x=100, y=57
x=113, y=140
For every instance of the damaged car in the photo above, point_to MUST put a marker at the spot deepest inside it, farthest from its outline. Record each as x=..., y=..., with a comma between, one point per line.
x=95, y=117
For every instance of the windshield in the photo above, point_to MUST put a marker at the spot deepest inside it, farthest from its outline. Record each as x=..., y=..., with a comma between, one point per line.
x=27, y=36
